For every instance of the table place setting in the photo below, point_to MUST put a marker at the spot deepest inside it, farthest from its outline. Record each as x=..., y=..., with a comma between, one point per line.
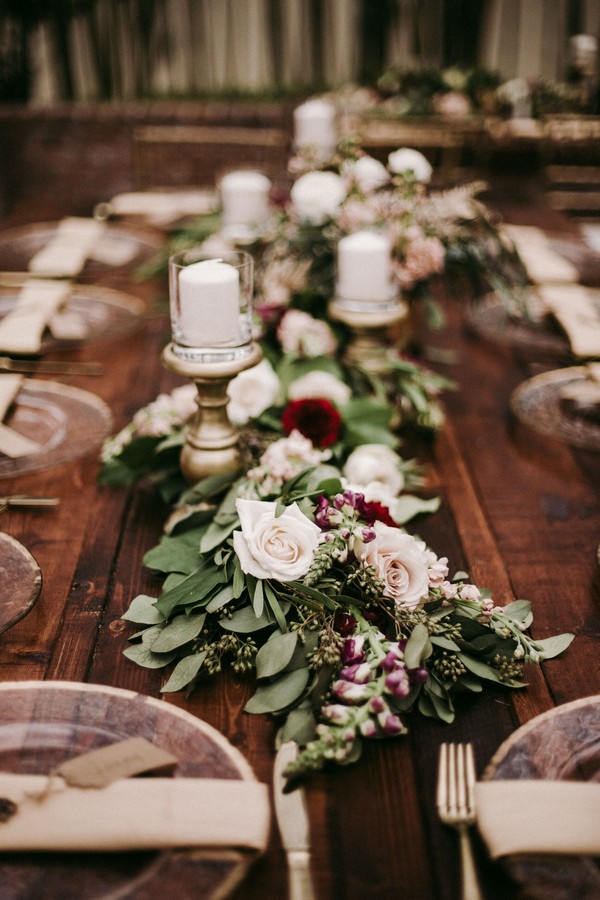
x=542, y=263
x=159, y=208
x=20, y=578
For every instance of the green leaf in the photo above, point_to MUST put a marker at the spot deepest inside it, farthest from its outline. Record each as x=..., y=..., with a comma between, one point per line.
x=275, y=607
x=470, y=683
x=179, y=631
x=221, y=599
x=481, y=669
x=217, y=533
x=418, y=647
x=143, y=654
x=239, y=580
x=176, y=553
x=322, y=599
x=184, y=672
x=143, y=611
x=553, y=646
x=407, y=507
x=244, y=621
x=444, y=643
x=192, y=589
x=518, y=610
x=278, y=695
x=275, y=655
x=258, y=599
x=300, y=726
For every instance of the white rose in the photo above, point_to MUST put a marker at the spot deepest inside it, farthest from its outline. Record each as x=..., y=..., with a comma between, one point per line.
x=251, y=392
x=320, y=384
x=405, y=159
x=317, y=196
x=270, y=546
x=368, y=173
x=375, y=464
x=399, y=561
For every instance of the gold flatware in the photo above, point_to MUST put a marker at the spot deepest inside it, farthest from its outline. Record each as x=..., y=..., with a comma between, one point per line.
x=49, y=367
x=23, y=500
x=456, y=806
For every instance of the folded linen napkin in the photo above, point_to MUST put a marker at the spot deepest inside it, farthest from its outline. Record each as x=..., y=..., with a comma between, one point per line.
x=542, y=263
x=536, y=816
x=12, y=443
x=577, y=310
x=133, y=814
x=163, y=207
x=22, y=328
x=71, y=244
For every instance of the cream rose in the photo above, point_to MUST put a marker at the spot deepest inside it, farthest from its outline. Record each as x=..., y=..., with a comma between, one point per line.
x=405, y=159
x=270, y=546
x=375, y=464
x=399, y=561
x=367, y=173
x=317, y=196
x=251, y=392
x=320, y=384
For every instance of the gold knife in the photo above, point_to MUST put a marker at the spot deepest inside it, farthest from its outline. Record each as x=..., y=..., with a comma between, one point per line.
x=23, y=500
x=49, y=367
x=292, y=819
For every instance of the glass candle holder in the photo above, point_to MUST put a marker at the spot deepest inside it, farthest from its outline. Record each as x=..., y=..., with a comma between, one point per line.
x=211, y=305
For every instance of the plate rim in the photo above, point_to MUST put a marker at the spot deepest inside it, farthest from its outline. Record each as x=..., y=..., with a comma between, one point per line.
x=37, y=581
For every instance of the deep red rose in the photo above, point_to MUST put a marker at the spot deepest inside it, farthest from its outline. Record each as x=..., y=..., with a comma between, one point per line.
x=373, y=511
x=344, y=623
x=315, y=418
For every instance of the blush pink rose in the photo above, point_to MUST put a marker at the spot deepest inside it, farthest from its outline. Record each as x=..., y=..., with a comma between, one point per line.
x=400, y=562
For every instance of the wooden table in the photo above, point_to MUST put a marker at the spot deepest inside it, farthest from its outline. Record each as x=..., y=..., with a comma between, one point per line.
x=520, y=512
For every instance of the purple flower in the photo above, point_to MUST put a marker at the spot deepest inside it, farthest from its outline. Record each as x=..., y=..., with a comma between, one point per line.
x=368, y=728
x=378, y=705
x=336, y=713
x=352, y=651
x=419, y=675
x=368, y=534
x=392, y=661
x=359, y=673
x=397, y=683
x=349, y=691
x=391, y=724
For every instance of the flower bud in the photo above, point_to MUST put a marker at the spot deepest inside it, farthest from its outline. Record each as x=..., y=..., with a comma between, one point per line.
x=397, y=683
x=336, y=713
x=359, y=673
x=391, y=723
x=352, y=651
x=350, y=691
x=368, y=728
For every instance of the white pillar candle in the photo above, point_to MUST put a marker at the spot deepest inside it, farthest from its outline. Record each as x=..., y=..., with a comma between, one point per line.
x=245, y=198
x=364, y=267
x=209, y=304
x=314, y=127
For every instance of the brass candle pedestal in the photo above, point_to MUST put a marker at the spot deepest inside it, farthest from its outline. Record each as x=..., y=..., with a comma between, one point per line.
x=379, y=332
x=211, y=444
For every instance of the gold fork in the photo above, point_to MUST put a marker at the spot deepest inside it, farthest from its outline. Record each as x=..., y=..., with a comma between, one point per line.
x=456, y=806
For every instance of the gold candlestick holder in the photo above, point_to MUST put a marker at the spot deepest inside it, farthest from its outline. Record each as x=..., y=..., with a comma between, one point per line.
x=378, y=332
x=211, y=444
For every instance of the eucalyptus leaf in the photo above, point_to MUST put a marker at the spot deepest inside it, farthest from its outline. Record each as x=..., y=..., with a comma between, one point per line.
x=184, y=672
x=244, y=621
x=143, y=654
x=275, y=607
x=217, y=533
x=258, y=599
x=221, y=599
x=278, y=695
x=407, y=507
x=518, y=610
x=142, y=610
x=418, y=647
x=274, y=656
x=553, y=646
x=193, y=589
x=300, y=726
x=481, y=669
x=445, y=643
x=176, y=553
x=179, y=631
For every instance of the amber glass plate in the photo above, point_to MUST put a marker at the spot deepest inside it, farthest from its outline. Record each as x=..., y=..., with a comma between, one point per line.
x=42, y=724
x=66, y=421
x=121, y=249
x=20, y=581
x=538, y=403
x=564, y=745
x=104, y=314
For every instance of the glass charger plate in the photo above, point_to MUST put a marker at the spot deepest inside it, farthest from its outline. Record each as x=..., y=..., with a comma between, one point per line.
x=490, y=319
x=20, y=581
x=104, y=313
x=65, y=420
x=45, y=723
x=562, y=744
x=537, y=403
x=121, y=249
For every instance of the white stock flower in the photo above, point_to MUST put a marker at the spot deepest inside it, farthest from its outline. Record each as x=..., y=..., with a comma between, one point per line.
x=366, y=172
x=251, y=392
x=299, y=332
x=371, y=465
x=399, y=562
x=270, y=546
x=405, y=159
x=317, y=196
x=320, y=384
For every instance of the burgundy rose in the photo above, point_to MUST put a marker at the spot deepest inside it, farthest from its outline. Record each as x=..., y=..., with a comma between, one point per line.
x=377, y=512
x=315, y=418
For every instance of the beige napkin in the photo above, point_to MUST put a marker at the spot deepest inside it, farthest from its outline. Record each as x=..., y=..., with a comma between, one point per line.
x=22, y=328
x=540, y=260
x=163, y=207
x=71, y=244
x=12, y=443
x=553, y=817
x=577, y=312
x=134, y=813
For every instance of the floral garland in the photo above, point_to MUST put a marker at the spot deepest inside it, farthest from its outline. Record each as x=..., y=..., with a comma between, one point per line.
x=303, y=574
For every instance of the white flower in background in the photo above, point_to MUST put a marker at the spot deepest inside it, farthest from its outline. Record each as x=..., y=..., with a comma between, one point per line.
x=167, y=412
x=316, y=196
x=320, y=384
x=367, y=173
x=452, y=105
x=375, y=466
x=358, y=213
x=285, y=458
x=423, y=257
x=251, y=392
x=405, y=159
x=271, y=546
x=300, y=333
x=399, y=561
x=279, y=279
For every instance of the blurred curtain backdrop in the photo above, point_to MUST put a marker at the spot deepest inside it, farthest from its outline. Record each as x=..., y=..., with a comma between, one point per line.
x=90, y=50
